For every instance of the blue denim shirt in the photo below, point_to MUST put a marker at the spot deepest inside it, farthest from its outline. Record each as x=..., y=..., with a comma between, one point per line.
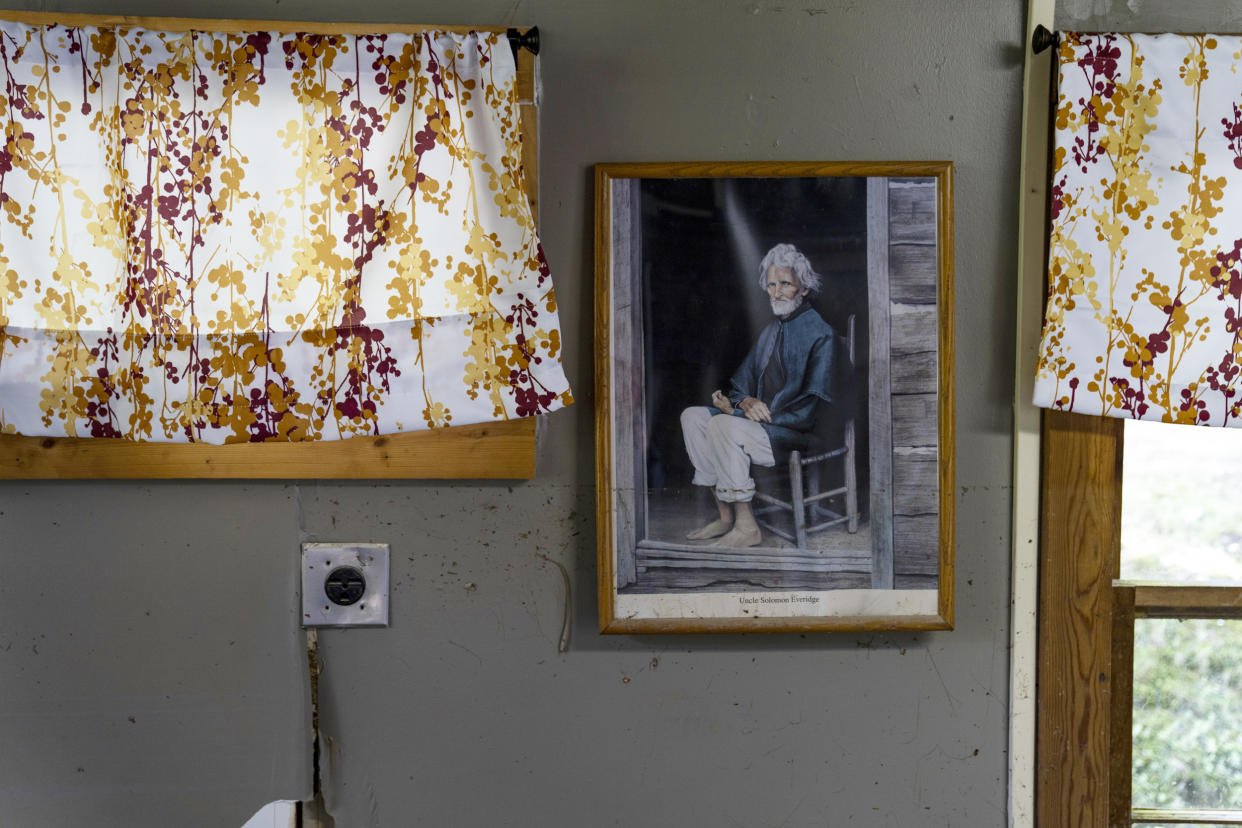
x=806, y=353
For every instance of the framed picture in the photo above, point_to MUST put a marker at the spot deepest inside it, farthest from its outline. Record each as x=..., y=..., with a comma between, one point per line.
x=774, y=396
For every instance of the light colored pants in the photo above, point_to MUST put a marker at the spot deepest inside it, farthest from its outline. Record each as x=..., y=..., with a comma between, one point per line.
x=722, y=447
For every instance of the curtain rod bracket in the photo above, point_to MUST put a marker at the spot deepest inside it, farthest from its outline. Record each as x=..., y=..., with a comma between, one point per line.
x=528, y=41
x=1041, y=40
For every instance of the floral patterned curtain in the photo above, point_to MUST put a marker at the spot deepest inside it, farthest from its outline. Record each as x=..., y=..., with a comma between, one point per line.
x=1144, y=310
x=230, y=237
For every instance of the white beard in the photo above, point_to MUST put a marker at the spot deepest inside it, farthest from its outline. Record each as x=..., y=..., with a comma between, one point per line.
x=784, y=307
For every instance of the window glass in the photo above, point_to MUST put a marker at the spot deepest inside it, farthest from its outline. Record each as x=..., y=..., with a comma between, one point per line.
x=1187, y=725
x=1180, y=520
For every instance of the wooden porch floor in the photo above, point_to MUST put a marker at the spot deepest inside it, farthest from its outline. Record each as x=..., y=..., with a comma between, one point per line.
x=667, y=561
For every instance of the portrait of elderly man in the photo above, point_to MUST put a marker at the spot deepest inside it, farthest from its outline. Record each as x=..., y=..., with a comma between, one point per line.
x=771, y=404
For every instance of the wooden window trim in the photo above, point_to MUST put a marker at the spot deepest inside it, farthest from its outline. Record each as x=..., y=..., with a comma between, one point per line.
x=1121, y=729
x=1084, y=688
x=1201, y=817
x=500, y=450
x=1080, y=546
x=1132, y=601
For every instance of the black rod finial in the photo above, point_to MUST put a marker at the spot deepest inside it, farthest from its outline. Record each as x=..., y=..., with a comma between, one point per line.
x=1043, y=39
x=528, y=40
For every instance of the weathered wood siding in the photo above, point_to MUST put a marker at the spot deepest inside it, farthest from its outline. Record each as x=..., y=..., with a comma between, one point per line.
x=913, y=260
x=879, y=390
x=629, y=470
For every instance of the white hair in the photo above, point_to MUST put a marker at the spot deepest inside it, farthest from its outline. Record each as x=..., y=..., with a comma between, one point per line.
x=786, y=255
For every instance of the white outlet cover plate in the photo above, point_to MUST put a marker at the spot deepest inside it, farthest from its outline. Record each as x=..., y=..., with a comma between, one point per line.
x=319, y=559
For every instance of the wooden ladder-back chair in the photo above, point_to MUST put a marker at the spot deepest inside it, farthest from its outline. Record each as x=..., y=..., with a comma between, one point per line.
x=807, y=504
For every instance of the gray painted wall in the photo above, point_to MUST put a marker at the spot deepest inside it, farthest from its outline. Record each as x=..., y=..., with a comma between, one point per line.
x=156, y=675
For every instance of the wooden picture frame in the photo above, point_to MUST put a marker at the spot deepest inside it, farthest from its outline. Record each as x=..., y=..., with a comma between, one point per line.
x=680, y=305
x=497, y=450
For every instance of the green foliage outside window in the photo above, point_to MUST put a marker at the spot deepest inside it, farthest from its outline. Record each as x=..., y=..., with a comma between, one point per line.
x=1187, y=714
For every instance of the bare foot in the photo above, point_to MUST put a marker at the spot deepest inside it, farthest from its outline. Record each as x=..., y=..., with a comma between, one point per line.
x=740, y=537
x=712, y=530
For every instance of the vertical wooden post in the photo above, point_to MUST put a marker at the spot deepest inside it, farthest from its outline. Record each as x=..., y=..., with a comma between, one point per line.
x=1080, y=552
x=1121, y=735
x=879, y=392
x=624, y=314
x=1024, y=543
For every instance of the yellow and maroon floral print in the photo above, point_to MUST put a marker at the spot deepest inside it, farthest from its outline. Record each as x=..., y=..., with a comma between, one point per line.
x=1144, y=310
x=265, y=236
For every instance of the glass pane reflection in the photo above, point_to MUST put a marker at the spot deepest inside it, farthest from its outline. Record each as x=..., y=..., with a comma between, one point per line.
x=1180, y=520
x=1187, y=727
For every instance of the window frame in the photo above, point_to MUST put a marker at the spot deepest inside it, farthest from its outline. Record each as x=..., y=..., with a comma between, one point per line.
x=1080, y=545
x=1133, y=601
x=1084, y=687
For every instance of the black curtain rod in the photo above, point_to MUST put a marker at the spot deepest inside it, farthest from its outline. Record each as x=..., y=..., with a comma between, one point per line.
x=528, y=40
x=1041, y=41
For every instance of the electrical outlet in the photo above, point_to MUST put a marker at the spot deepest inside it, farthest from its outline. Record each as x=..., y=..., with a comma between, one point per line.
x=344, y=585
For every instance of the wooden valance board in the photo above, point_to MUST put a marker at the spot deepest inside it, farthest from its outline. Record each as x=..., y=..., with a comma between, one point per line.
x=500, y=450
